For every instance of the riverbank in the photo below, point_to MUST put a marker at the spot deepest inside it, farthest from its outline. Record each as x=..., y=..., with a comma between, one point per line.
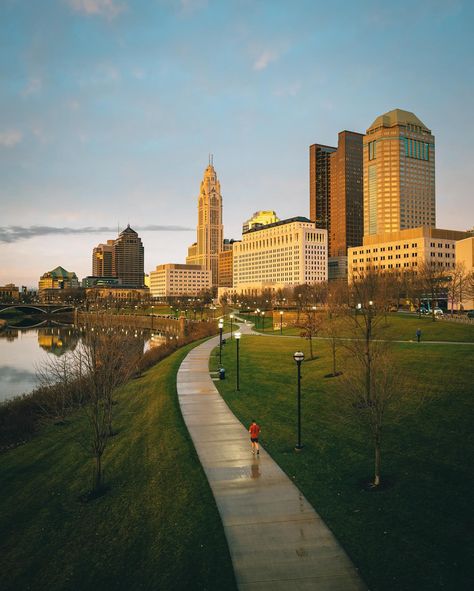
x=23, y=416
x=156, y=528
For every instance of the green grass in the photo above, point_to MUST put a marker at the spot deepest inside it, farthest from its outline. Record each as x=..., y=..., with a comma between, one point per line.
x=398, y=327
x=156, y=528
x=415, y=534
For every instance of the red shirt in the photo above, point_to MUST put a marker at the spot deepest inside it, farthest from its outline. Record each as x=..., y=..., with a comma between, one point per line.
x=254, y=430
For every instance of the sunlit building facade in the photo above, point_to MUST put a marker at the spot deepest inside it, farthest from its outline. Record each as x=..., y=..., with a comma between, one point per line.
x=58, y=279
x=280, y=255
x=259, y=219
x=404, y=251
x=205, y=251
x=103, y=260
x=175, y=280
x=399, y=174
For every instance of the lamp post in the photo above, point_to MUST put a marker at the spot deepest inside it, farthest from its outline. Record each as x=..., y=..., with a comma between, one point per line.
x=263, y=320
x=231, y=316
x=298, y=357
x=237, y=338
x=152, y=316
x=281, y=322
x=221, y=326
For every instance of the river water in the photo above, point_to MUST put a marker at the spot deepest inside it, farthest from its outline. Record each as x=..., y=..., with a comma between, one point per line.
x=24, y=350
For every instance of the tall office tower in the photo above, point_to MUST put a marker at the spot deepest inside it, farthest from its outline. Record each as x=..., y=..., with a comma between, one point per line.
x=129, y=258
x=205, y=251
x=399, y=174
x=346, y=194
x=103, y=259
x=319, y=184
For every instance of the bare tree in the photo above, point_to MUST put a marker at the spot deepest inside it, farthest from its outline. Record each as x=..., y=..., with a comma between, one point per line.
x=332, y=328
x=456, y=285
x=433, y=281
x=55, y=378
x=104, y=361
x=311, y=325
x=388, y=393
x=364, y=319
x=102, y=365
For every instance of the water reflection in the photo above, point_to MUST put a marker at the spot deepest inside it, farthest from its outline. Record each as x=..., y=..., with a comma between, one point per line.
x=23, y=350
x=255, y=467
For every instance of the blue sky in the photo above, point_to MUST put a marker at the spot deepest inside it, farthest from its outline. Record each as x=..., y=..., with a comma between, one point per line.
x=109, y=108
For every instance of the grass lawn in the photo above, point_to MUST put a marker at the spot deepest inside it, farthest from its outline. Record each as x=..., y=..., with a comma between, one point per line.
x=415, y=534
x=157, y=528
x=400, y=327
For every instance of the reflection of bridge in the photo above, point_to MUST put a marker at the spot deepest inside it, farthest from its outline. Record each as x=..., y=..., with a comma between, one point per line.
x=43, y=308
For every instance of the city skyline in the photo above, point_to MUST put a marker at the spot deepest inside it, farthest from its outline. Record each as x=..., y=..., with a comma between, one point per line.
x=118, y=130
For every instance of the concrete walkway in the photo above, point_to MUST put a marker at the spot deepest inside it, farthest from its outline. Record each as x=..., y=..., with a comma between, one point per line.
x=276, y=539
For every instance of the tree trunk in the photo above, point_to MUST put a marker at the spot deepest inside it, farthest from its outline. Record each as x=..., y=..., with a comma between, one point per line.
x=311, y=347
x=377, y=461
x=333, y=357
x=98, y=472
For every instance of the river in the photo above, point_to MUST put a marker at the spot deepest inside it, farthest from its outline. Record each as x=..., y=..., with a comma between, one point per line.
x=23, y=350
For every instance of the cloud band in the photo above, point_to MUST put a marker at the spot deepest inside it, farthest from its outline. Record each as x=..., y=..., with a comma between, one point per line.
x=9, y=234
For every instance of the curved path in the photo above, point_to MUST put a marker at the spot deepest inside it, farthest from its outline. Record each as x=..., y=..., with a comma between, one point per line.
x=276, y=539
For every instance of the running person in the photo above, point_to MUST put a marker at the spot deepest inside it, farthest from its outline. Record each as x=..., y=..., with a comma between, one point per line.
x=254, y=431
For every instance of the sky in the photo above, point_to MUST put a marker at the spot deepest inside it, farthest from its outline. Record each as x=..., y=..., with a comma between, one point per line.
x=110, y=108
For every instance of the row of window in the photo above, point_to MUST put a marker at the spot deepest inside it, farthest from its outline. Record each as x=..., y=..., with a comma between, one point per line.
x=416, y=149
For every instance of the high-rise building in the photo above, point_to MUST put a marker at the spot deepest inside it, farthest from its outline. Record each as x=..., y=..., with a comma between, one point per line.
x=259, y=219
x=399, y=174
x=205, y=251
x=128, y=259
x=103, y=259
x=346, y=194
x=319, y=184
x=336, y=196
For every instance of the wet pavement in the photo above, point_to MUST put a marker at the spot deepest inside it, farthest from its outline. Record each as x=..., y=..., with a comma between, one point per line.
x=276, y=539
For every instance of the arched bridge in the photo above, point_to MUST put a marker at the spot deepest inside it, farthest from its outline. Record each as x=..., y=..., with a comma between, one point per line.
x=43, y=308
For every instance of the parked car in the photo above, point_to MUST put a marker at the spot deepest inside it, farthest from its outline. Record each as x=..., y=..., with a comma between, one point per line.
x=438, y=312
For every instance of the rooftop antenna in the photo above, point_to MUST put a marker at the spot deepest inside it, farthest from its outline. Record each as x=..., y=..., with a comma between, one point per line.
x=212, y=160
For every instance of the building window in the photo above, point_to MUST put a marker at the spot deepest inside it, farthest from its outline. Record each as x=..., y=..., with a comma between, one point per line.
x=372, y=150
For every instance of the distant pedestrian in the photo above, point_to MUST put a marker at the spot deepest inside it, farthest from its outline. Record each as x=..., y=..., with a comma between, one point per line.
x=418, y=334
x=254, y=431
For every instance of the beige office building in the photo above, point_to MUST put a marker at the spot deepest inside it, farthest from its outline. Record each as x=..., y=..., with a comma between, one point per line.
x=402, y=252
x=205, y=251
x=465, y=256
x=175, y=280
x=279, y=255
x=399, y=174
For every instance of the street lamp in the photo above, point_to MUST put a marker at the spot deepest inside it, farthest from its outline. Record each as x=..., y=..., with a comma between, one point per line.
x=237, y=338
x=298, y=357
x=152, y=315
x=281, y=322
x=231, y=316
x=263, y=320
x=221, y=326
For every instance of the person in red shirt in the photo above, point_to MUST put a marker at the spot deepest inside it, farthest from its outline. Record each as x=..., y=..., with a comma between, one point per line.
x=254, y=431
